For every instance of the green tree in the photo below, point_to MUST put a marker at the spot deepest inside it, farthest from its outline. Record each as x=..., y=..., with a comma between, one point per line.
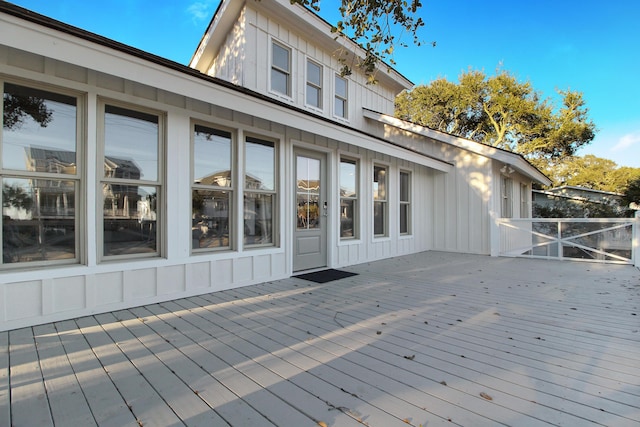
x=372, y=24
x=502, y=112
x=591, y=172
x=631, y=193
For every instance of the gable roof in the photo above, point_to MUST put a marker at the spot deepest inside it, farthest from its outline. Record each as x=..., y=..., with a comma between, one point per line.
x=516, y=161
x=299, y=18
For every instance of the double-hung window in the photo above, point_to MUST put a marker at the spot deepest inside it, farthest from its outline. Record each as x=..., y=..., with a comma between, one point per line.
x=280, y=69
x=524, y=200
x=212, y=188
x=405, y=202
x=260, y=191
x=314, y=84
x=131, y=181
x=380, y=195
x=506, y=193
x=348, y=198
x=341, y=106
x=40, y=176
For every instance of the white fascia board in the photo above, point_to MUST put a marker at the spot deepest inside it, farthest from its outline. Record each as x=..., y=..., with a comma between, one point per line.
x=514, y=160
x=57, y=45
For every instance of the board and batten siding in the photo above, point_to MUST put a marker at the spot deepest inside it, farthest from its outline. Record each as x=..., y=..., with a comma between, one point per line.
x=250, y=41
x=34, y=296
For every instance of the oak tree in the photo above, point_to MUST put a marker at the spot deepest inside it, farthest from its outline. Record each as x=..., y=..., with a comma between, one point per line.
x=502, y=112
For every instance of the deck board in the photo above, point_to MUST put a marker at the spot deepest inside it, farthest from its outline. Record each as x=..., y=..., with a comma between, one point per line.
x=424, y=340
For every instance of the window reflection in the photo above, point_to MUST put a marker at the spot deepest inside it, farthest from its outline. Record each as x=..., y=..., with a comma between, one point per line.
x=260, y=192
x=348, y=198
x=308, y=193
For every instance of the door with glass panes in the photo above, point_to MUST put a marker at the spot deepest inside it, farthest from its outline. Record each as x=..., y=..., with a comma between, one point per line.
x=311, y=211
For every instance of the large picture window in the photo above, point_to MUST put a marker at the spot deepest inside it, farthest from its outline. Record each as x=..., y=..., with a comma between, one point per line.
x=348, y=198
x=259, y=191
x=380, y=195
x=212, y=188
x=405, y=203
x=131, y=184
x=280, y=69
x=40, y=176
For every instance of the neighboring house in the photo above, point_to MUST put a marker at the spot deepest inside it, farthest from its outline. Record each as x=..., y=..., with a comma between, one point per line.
x=257, y=161
x=579, y=200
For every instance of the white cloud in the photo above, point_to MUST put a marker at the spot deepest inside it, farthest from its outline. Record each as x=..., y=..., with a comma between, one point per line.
x=627, y=141
x=199, y=11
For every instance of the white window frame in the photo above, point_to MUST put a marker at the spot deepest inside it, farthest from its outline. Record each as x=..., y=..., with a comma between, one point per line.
x=406, y=203
x=288, y=73
x=524, y=200
x=382, y=201
x=54, y=178
x=355, y=199
x=313, y=85
x=506, y=197
x=230, y=188
x=340, y=98
x=158, y=183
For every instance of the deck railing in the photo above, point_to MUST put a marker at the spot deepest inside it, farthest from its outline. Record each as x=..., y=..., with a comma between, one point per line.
x=609, y=240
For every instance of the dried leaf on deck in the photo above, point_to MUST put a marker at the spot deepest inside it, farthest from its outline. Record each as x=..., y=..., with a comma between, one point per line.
x=485, y=396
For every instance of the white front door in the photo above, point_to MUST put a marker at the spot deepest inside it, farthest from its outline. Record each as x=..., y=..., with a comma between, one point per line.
x=311, y=210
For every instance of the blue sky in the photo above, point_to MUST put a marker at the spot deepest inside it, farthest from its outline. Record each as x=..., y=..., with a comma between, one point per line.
x=586, y=45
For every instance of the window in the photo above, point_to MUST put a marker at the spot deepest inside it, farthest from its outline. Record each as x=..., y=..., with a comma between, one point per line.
x=524, y=200
x=131, y=184
x=314, y=84
x=506, y=189
x=379, y=201
x=40, y=176
x=348, y=198
x=260, y=191
x=340, y=106
x=212, y=188
x=405, y=203
x=280, y=69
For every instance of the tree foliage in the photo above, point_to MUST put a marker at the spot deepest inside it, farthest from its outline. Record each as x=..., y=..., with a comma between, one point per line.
x=502, y=112
x=591, y=172
x=631, y=193
x=18, y=107
x=373, y=25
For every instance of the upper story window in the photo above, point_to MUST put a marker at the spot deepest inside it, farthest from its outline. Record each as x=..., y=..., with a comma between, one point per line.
x=314, y=84
x=212, y=188
x=280, y=69
x=405, y=202
x=506, y=194
x=40, y=176
x=131, y=183
x=348, y=198
x=380, y=195
x=341, y=97
x=260, y=191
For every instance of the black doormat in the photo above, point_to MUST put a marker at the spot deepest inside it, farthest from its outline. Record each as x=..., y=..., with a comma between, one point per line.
x=325, y=276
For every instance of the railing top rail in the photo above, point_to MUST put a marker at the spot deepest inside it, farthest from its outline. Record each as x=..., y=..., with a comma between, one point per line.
x=586, y=220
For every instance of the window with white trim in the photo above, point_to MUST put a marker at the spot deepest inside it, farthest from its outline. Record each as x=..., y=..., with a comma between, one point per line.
x=348, y=198
x=314, y=84
x=341, y=105
x=405, y=202
x=280, y=69
x=380, y=196
x=131, y=181
x=211, y=189
x=506, y=194
x=260, y=192
x=524, y=200
x=40, y=174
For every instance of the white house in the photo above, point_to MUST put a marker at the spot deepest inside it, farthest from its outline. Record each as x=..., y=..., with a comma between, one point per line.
x=129, y=179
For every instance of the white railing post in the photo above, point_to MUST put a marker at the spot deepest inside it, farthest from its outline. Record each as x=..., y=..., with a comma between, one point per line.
x=635, y=240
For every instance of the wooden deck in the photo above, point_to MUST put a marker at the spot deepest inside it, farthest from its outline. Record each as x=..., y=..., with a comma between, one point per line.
x=425, y=340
